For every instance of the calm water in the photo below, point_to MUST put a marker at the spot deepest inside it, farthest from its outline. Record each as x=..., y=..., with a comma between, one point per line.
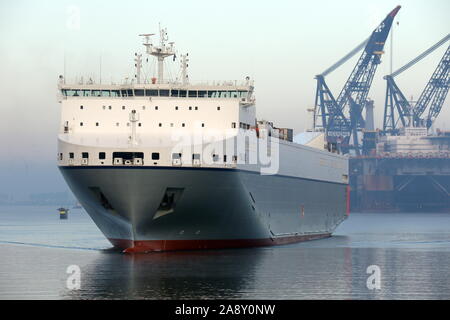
x=412, y=251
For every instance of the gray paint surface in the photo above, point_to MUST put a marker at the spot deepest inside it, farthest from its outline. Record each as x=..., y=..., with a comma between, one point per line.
x=214, y=204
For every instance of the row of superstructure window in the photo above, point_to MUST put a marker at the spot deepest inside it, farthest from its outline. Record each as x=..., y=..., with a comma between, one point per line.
x=102, y=155
x=183, y=125
x=156, y=93
x=160, y=124
x=155, y=107
x=131, y=155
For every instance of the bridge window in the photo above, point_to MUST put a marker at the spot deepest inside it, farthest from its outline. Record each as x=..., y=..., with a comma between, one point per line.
x=73, y=93
x=106, y=93
x=233, y=94
x=174, y=93
x=139, y=92
x=224, y=94
x=243, y=94
x=85, y=155
x=96, y=93
x=164, y=93
x=183, y=93
x=202, y=94
x=151, y=93
x=192, y=93
x=115, y=93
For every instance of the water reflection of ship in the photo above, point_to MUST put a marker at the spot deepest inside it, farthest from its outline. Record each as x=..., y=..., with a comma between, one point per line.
x=171, y=275
x=290, y=272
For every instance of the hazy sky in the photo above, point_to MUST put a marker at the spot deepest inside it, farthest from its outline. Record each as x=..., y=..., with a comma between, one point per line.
x=280, y=44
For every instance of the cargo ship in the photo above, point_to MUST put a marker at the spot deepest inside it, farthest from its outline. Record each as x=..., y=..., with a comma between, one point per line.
x=166, y=164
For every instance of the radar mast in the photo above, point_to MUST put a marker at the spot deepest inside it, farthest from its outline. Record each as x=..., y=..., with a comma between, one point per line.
x=184, y=66
x=160, y=52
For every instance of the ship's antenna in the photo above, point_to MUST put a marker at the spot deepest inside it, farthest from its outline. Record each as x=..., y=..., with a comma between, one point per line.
x=138, y=65
x=161, y=37
x=100, y=69
x=64, y=66
x=184, y=65
x=160, y=52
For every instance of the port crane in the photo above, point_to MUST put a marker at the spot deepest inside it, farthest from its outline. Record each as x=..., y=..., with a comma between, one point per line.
x=399, y=112
x=341, y=118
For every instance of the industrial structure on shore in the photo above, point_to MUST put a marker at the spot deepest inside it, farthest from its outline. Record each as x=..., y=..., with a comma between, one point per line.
x=405, y=166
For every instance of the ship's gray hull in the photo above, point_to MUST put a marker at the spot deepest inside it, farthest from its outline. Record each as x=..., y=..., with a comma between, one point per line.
x=208, y=207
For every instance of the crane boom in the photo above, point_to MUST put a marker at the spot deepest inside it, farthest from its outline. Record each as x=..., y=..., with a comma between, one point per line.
x=361, y=77
x=345, y=58
x=435, y=92
x=433, y=96
x=342, y=117
x=421, y=56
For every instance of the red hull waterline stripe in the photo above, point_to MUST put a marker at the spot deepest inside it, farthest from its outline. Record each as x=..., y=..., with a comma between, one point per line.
x=142, y=246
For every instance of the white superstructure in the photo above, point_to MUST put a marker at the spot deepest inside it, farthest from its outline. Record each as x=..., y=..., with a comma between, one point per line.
x=101, y=115
x=145, y=114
